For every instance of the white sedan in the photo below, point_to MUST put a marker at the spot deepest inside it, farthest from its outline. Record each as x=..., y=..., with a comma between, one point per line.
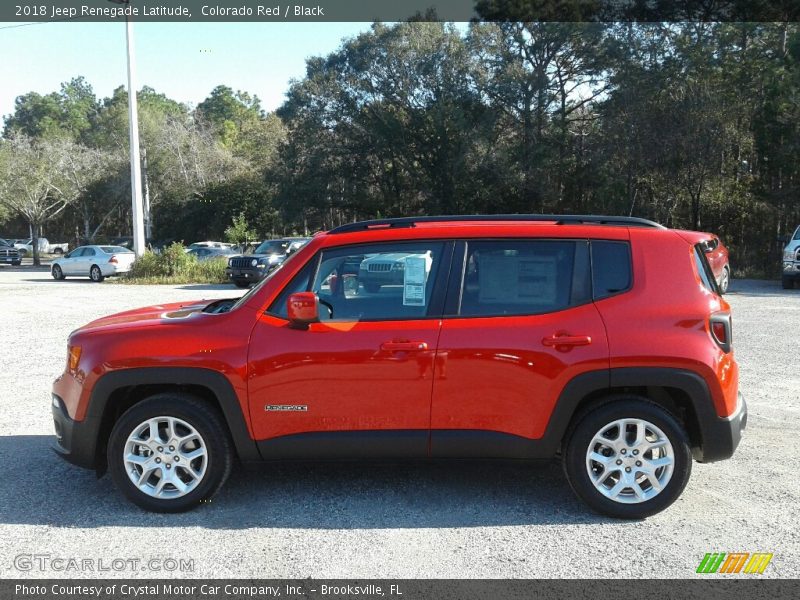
x=96, y=262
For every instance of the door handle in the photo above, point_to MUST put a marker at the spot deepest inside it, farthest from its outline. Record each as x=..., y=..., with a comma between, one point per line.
x=404, y=346
x=567, y=340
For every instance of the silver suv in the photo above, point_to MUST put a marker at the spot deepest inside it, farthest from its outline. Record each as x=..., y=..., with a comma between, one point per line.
x=791, y=261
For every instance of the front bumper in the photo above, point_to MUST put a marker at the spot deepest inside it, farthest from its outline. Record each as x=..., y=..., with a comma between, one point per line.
x=721, y=435
x=791, y=270
x=75, y=440
x=254, y=275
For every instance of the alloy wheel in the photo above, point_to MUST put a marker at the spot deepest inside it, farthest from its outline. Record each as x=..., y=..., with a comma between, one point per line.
x=630, y=461
x=165, y=457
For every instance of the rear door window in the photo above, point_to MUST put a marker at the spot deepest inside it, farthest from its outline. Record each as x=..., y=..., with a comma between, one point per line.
x=523, y=277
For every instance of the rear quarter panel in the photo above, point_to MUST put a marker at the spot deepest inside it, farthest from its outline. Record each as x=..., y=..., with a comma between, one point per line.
x=663, y=320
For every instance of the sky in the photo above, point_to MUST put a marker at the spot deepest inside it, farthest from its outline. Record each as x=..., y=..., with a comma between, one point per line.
x=185, y=61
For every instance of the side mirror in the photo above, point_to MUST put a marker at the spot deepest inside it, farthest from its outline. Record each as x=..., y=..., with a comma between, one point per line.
x=302, y=309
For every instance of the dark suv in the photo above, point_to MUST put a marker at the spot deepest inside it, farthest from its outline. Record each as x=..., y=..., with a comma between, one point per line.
x=247, y=269
x=602, y=341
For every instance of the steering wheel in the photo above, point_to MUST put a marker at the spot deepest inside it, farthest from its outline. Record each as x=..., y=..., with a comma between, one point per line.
x=327, y=305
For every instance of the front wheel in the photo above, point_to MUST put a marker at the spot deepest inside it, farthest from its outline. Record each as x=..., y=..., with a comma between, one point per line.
x=95, y=274
x=241, y=284
x=787, y=283
x=169, y=453
x=628, y=458
x=58, y=274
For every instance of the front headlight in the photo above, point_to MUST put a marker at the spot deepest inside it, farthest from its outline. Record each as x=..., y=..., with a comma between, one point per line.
x=788, y=255
x=230, y=262
x=253, y=262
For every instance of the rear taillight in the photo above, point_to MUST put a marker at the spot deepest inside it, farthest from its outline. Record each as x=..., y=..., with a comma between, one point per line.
x=113, y=259
x=721, y=330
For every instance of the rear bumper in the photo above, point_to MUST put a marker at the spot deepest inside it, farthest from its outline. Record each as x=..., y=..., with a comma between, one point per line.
x=74, y=440
x=109, y=270
x=721, y=435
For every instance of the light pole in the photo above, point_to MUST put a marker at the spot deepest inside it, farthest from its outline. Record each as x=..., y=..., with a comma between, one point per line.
x=133, y=121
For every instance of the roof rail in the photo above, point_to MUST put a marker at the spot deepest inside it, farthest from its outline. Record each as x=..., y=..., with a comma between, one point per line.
x=403, y=222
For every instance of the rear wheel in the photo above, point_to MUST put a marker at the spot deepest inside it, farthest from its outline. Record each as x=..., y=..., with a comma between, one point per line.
x=628, y=458
x=725, y=280
x=95, y=274
x=58, y=274
x=169, y=453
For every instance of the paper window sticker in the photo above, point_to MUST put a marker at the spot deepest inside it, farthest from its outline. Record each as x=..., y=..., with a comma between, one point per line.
x=414, y=281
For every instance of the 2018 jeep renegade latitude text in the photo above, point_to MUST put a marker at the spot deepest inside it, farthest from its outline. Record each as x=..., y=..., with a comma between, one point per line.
x=599, y=340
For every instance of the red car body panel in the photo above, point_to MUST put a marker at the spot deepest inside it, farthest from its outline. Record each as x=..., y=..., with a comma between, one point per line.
x=185, y=337
x=496, y=373
x=342, y=374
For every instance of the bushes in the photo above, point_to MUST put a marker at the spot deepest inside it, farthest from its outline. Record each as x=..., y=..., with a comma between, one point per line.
x=173, y=265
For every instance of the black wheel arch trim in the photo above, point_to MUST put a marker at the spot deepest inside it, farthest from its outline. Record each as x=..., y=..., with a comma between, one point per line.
x=718, y=437
x=212, y=380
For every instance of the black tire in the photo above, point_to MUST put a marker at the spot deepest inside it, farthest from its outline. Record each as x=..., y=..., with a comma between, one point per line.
x=787, y=283
x=57, y=273
x=16, y=264
x=372, y=288
x=95, y=274
x=590, y=423
x=241, y=284
x=204, y=418
x=725, y=281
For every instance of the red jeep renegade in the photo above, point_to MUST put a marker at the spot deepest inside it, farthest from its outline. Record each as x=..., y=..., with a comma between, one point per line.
x=600, y=340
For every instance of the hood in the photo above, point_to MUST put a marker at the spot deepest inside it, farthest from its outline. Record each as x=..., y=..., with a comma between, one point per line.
x=156, y=315
x=792, y=246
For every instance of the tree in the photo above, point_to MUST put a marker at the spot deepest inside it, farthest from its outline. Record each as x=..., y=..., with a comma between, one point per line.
x=41, y=178
x=67, y=113
x=389, y=122
x=239, y=231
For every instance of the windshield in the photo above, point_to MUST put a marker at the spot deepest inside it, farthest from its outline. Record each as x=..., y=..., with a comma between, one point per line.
x=797, y=234
x=273, y=247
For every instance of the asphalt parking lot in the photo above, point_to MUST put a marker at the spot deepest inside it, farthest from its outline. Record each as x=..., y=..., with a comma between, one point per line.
x=416, y=520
